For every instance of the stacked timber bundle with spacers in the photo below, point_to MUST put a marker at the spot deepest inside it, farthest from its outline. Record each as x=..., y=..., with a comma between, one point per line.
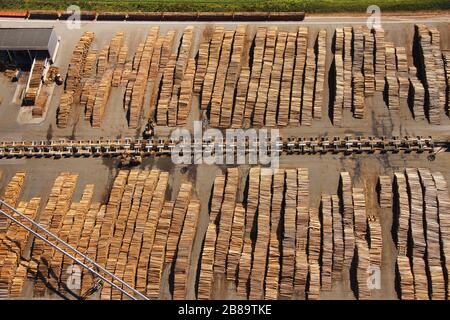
x=119, y=69
x=241, y=98
x=102, y=63
x=35, y=82
x=376, y=244
x=385, y=192
x=202, y=60
x=234, y=69
x=101, y=99
x=339, y=70
x=402, y=72
x=338, y=239
x=347, y=203
x=219, y=84
x=402, y=206
x=90, y=63
x=297, y=78
x=114, y=47
x=308, y=89
x=213, y=63
x=447, y=74
x=184, y=54
x=166, y=91
x=439, y=65
x=40, y=106
x=259, y=265
x=380, y=59
x=185, y=97
x=275, y=80
x=286, y=80
x=391, y=78
x=183, y=261
x=263, y=89
x=314, y=241
x=416, y=95
x=273, y=261
x=11, y=196
x=357, y=75
x=140, y=85
x=327, y=243
x=406, y=278
x=432, y=235
x=76, y=64
x=236, y=241
x=320, y=73
x=429, y=71
x=369, y=69
x=64, y=109
x=348, y=64
x=363, y=264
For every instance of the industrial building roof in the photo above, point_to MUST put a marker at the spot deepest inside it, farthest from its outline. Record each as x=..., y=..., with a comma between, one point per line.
x=25, y=38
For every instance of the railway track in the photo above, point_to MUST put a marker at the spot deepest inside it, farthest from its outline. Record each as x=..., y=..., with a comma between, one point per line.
x=161, y=147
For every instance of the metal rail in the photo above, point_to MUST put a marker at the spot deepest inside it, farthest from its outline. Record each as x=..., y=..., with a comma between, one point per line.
x=161, y=147
x=73, y=257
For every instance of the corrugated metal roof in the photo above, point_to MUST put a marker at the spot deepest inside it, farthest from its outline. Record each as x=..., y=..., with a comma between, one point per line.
x=25, y=38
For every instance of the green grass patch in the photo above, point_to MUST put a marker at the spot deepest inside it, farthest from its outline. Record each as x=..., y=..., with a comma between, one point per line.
x=317, y=6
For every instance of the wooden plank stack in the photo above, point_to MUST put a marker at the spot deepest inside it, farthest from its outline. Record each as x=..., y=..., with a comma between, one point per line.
x=90, y=64
x=65, y=109
x=314, y=244
x=320, y=73
x=286, y=80
x=77, y=61
x=202, y=61
x=241, y=98
x=339, y=92
x=406, y=278
x=338, y=239
x=385, y=194
x=308, y=88
x=115, y=46
x=236, y=241
x=11, y=196
x=404, y=213
x=347, y=203
x=391, y=78
x=297, y=79
x=348, y=65
x=417, y=94
x=327, y=243
x=185, y=97
x=380, y=59
x=101, y=98
x=402, y=72
x=369, y=69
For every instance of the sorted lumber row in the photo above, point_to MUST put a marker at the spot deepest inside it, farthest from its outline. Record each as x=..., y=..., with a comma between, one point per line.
x=77, y=61
x=185, y=97
x=262, y=241
x=40, y=106
x=120, y=66
x=402, y=72
x=220, y=79
x=102, y=63
x=446, y=56
x=308, y=88
x=320, y=73
x=301, y=259
x=416, y=205
x=101, y=99
x=258, y=56
x=376, y=244
x=391, y=78
x=226, y=220
x=213, y=64
x=166, y=91
x=264, y=83
x=380, y=59
x=297, y=79
x=184, y=54
x=11, y=196
x=339, y=91
x=385, y=193
x=363, y=266
x=87, y=98
x=90, y=65
x=275, y=80
x=314, y=243
x=35, y=82
x=289, y=230
x=357, y=73
x=430, y=71
x=358, y=50
x=403, y=213
x=236, y=241
x=439, y=65
x=369, y=69
x=179, y=214
x=274, y=267
x=347, y=203
x=432, y=235
x=358, y=95
x=202, y=61
x=327, y=243
x=444, y=218
x=406, y=278
x=348, y=65
x=140, y=85
x=241, y=98
x=115, y=46
x=286, y=80
x=417, y=91
x=338, y=239
x=233, y=72
x=65, y=109
x=246, y=259
x=360, y=215
x=183, y=261
x=420, y=278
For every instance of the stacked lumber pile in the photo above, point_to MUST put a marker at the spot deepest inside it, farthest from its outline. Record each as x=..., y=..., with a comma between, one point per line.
x=185, y=97
x=166, y=91
x=347, y=203
x=403, y=213
x=406, y=278
x=430, y=69
x=226, y=220
x=236, y=241
x=289, y=234
x=327, y=243
x=274, y=267
x=35, y=82
x=369, y=69
x=258, y=55
x=65, y=109
x=301, y=258
x=363, y=265
x=360, y=215
x=340, y=84
x=338, y=239
x=314, y=243
x=286, y=80
x=439, y=65
x=391, y=78
x=263, y=89
x=183, y=261
x=232, y=76
x=416, y=95
x=308, y=88
x=385, y=194
x=202, y=60
x=275, y=80
x=90, y=64
x=120, y=66
x=184, y=54
x=241, y=98
x=245, y=262
x=40, y=106
x=320, y=73
x=446, y=56
x=297, y=79
x=258, y=270
x=357, y=73
x=11, y=196
x=77, y=61
x=402, y=72
x=101, y=98
x=102, y=63
x=213, y=63
x=380, y=59
x=115, y=46
x=376, y=244
x=348, y=66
